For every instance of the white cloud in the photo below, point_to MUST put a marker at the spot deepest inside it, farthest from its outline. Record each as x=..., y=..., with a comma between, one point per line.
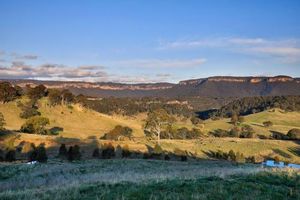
x=285, y=50
x=50, y=71
x=163, y=63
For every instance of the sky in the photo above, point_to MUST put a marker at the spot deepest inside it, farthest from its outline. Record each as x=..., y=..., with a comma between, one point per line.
x=138, y=41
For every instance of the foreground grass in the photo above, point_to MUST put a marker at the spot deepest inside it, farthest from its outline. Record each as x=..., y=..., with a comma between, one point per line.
x=145, y=179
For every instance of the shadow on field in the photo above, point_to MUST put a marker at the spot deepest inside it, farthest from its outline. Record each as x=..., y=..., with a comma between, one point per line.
x=295, y=151
x=281, y=153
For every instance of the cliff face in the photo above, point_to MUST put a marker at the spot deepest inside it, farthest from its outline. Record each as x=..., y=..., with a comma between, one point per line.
x=218, y=86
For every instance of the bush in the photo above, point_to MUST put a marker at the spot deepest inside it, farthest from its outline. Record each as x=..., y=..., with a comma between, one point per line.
x=10, y=155
x=267, y=123
x=118, y=132
x=108, y=151
x=247, y=132
x=29, y=111
x=220, y=133
x=35, y=125
x=294, y=134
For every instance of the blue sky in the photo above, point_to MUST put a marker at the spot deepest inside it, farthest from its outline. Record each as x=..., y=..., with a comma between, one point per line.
x=148, y=41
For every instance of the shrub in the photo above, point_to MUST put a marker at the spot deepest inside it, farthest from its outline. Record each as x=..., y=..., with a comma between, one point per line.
x=29, y=111
x=267, y=123
x=35, y=125
x=108, y=151
x=234, y=132
x=118, y=132
x=247, y=132
x=10, y=155
x=294, y=134
x=219, y=133
x=55, y=130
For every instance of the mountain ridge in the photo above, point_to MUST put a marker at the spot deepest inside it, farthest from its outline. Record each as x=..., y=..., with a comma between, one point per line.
x=215, y=86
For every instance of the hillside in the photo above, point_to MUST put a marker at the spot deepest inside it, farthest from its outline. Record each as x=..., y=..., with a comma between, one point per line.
x=84, y=127
x=219, y=86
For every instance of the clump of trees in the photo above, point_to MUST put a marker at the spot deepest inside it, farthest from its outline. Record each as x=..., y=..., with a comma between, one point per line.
x=181, y=133
x=29, y=109
x=8, y=92
x=250, y=105
x=230, y=156
x=37, y=92
x=118, y=133
x=60, y=97
x=245, y=131
x=36, y=125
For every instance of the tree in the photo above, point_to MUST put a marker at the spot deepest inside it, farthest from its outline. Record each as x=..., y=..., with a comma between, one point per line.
x=156, y=121
x=2, y=121
x=234, y=119
x=118, y=132
x=66, y=97
x=247, y=132
x=54, y=96
x=267, y=123
x=29, y=109
x=294, y=134
x=35, y=125
x=8, y=92
x=37, y=92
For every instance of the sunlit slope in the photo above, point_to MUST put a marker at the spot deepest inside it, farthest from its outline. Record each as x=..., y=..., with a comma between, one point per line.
x=77, y=122
x=282, y=122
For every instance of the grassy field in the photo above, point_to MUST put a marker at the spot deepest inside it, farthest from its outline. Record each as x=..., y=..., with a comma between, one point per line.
x=146, y=179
